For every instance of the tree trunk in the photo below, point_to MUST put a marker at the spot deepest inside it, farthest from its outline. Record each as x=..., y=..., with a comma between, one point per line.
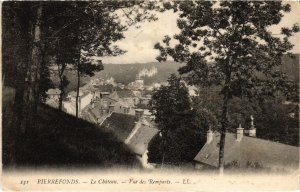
x=24, y=53
x=61, y=98
x=31, y=96
x=77, y=95
x=62, y=92
x=224, y=123
x=224, y=118
x=27, y=77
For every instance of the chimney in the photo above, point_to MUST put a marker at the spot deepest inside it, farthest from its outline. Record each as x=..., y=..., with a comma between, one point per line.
x=252, y=130
x=111, y=108
x=138, y=113
x=239, y=133
x=209, y=136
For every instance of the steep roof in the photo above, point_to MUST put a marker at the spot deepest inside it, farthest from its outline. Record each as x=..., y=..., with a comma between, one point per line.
x=114, y=95
x=249, y=149
x=141, y=138
x=120, y=124
x=95, y=112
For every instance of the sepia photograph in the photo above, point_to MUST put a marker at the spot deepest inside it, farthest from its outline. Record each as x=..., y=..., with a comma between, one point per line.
x=162, y=95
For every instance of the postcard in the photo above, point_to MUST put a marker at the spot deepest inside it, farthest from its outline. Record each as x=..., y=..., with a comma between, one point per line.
x=150, y=95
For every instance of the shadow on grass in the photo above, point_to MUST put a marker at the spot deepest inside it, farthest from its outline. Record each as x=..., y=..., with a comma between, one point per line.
x=61, y=140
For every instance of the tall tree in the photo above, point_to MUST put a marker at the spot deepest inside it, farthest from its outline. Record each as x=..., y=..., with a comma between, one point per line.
x=90, y=32
x=29, y=27
x=182, y=127
x=228, y=44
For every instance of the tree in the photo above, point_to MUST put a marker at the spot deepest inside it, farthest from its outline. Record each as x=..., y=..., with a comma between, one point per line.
x=181, y=135
x=33, y=32
x=228, y=44
x=89, y=33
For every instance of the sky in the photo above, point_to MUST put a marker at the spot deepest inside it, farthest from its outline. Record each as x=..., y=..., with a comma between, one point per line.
x=139, y=42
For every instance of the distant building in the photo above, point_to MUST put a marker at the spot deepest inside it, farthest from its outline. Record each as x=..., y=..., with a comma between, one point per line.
x=123, y=107
x=84, y=99
x=53, y=97
x=120, y=85
x=136, y=85
x=247, y=151
x=99, y=108
x=97, y=82
x=144, y=100
x=53, y=94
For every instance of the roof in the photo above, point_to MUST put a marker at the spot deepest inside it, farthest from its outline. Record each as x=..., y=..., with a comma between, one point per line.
x=114, y=95
x=141, y=138
x=125, y=93
x=81, y=93
x=53, y=91
x=145, y=98
x=95, y=112
x=120, y=124
x=108, y=99
x=249, y=149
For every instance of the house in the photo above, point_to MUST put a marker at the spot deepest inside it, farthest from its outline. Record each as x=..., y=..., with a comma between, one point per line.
x=138, y=84
x=139, y=139
x=120, y=85
x=135, y=131
x=123, y=107
x=53, y=97
x=247, y=151
x=99, y=108
x=84, y=99
x=144, y=100
x=97, y=81
x=53, y=94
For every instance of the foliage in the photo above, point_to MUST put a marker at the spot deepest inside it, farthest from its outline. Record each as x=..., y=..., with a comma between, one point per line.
x=171, y=104
x=227, y=44
x=182, y=128
x=272, y=118
x=35, y=33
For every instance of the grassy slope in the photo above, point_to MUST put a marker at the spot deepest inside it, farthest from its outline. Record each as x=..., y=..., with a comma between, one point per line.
x=63, y=140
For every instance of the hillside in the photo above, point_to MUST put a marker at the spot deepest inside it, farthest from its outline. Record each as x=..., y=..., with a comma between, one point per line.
x=64, y=141
x=126, y=73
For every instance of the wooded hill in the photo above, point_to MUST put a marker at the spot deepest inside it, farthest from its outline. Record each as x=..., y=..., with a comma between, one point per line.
x=126, y=73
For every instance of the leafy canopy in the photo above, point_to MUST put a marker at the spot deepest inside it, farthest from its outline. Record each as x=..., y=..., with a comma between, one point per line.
x=230, y=44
